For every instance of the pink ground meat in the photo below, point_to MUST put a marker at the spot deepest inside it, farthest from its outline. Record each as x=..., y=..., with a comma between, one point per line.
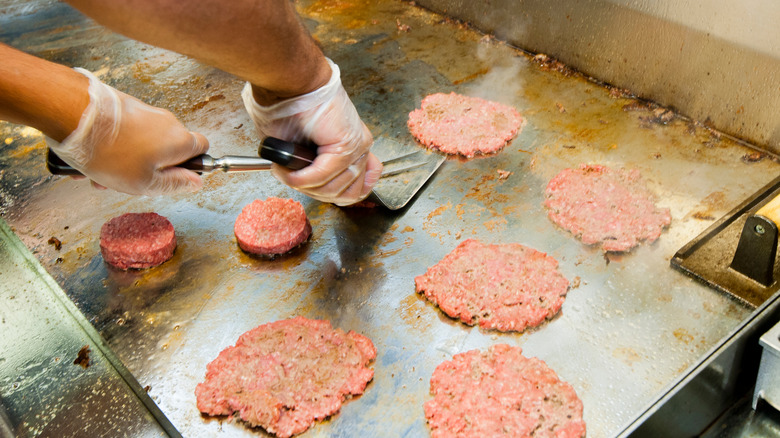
x=271, y=227
x=501, y=393
x=504, y=287
x=463, y=125
x=137, y=240
x=606, y=207
x=285, y=375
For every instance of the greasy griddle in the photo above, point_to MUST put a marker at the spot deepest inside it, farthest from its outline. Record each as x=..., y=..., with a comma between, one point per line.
x=629, y=329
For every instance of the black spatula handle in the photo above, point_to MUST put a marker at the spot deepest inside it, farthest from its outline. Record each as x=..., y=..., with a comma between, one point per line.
x=293, y=156
x=58, y=167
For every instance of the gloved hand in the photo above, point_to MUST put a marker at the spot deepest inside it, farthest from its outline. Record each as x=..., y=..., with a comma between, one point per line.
x=344, y=171
x=126, y=145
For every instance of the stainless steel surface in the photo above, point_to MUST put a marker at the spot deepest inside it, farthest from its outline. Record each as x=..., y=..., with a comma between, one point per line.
x=6, y=427
x=768, y=382
x=708, y=257
x=625, y=335
x=42, y=391
x=742, y=421
x=702, y=394
x=716, y=60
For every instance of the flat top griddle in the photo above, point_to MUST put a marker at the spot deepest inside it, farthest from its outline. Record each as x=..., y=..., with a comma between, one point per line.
x=629, y=329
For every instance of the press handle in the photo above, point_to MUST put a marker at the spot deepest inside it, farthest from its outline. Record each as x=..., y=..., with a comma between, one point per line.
x=293, y=156
x=771, y=210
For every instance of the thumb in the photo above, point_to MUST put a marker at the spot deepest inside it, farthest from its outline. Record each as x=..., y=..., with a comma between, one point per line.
x=200, y=144
x=185, y=145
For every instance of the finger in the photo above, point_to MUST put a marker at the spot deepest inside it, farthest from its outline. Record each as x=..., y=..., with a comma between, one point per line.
x=324, y=169
x=200, y=144
x=174, y=180
x=352, y=191
x=340, y=189
x=332, y=160
x=373, y=173
x=348, y=190
x=334, y=189
x=170, y=178
x=361, y=187
x=189, y=145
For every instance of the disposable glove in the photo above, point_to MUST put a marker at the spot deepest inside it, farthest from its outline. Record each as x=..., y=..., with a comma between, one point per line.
x=124, y=144
x=344, y=171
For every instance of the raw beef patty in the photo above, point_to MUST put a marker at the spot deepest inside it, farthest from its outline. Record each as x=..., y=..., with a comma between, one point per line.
x=501, y=393
x=602, y=206
x=286, y=374
x=505, y=287
x=137, y=240
x=271, y=227
x=463, y=125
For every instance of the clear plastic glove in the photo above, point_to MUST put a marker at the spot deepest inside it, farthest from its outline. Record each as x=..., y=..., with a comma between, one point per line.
x=124, y=144
x=344, y=171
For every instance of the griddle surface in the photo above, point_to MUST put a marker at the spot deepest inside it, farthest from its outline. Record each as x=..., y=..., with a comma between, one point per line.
x=631, y=327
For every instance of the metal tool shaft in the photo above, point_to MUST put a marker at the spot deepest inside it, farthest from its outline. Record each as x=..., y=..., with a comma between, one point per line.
x=228, y=163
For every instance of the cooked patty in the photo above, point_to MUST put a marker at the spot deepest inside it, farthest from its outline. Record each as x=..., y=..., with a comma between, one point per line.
x=606, y=207
x=504, y=287
x=272, y=227
x=501, y=393
x=137, y=240
x=463, y=125
x=285, y=375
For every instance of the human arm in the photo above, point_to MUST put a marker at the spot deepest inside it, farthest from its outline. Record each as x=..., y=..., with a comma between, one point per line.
x=264, y=43
x=47, y=96
x=114, y=139
x=260, y=41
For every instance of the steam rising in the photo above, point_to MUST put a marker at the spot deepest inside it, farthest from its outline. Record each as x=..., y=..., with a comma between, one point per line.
x=503, y=81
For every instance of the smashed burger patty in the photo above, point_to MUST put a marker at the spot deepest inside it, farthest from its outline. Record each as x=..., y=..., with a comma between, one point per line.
x=461, y=125
x=504, y=287
x=285, y=375
x=501, y=393
x=606, y=207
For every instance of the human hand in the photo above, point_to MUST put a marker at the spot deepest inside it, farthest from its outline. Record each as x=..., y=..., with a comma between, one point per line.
x=345, y=170
x=124, y=144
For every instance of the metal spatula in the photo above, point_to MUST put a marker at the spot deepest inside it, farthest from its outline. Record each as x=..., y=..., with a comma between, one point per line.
x=404, y=174
x=407, y=168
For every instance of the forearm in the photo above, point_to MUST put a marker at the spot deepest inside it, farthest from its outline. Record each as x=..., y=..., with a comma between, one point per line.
x=38, y=93
x=261, y=41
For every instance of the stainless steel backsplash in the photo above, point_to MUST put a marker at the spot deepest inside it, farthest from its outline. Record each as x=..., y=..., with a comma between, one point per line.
x=716, y=61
